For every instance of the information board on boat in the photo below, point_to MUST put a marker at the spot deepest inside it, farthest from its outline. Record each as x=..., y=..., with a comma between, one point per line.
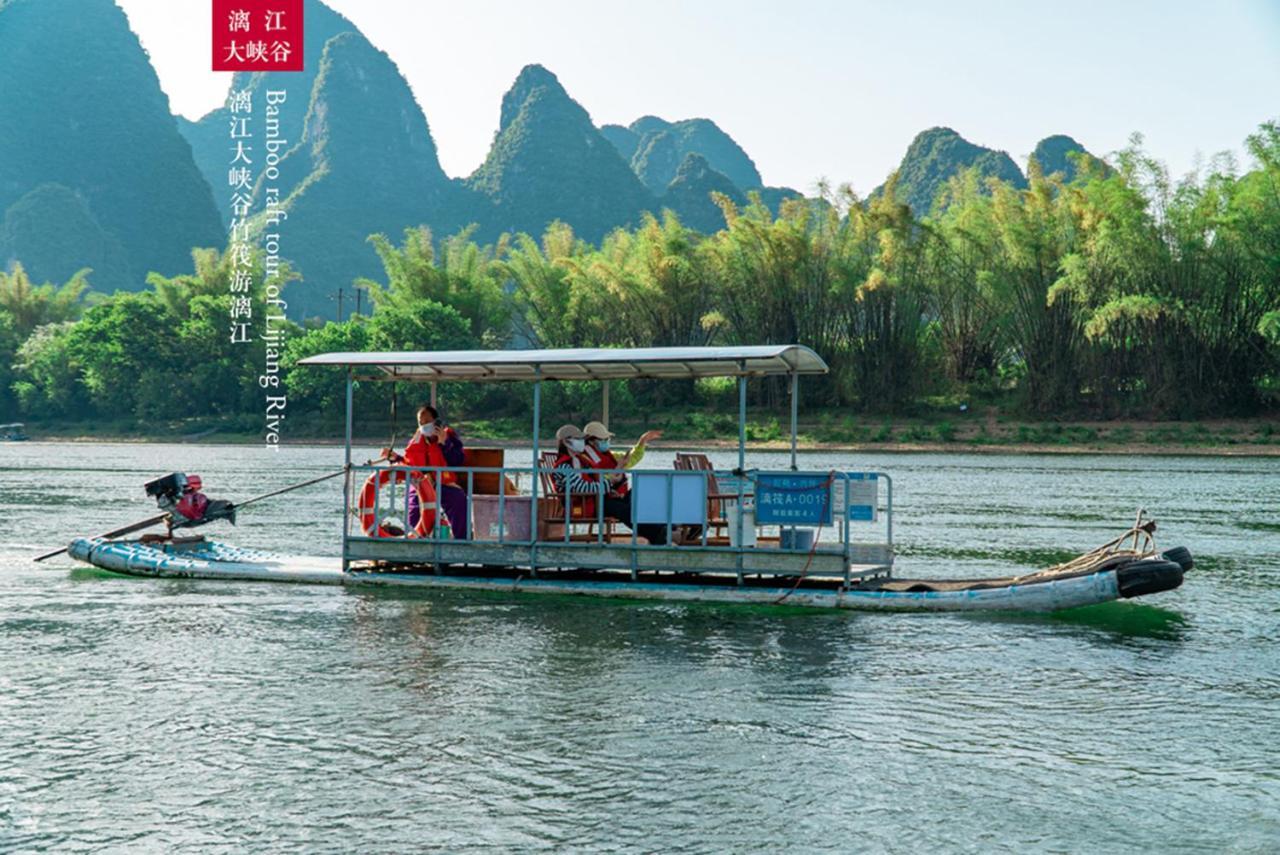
x=856, y=496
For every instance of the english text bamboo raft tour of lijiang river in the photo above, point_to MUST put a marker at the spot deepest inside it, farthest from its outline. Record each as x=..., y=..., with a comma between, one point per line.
x=804, y=538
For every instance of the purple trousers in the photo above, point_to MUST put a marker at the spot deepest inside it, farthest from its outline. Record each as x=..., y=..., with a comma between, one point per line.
x=454, y=502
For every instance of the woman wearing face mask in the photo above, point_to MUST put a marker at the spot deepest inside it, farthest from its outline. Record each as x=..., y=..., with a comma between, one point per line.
x=599, y=454
x=437, y=444
x=569, y=477
x=602, y=436
x=617, y=504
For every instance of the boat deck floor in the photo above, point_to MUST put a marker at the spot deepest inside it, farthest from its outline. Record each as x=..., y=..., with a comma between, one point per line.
x=939, y=584
x=873, y=578
x=574, y=574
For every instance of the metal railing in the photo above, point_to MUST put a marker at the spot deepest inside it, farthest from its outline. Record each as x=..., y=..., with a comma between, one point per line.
x=826, y=508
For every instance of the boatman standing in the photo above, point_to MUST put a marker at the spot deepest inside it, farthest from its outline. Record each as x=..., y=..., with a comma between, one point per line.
x=436, y=444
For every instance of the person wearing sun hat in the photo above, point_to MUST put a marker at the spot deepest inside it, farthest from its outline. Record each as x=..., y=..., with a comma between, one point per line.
x=599, y=438
x=597, y=455
x=571, y=459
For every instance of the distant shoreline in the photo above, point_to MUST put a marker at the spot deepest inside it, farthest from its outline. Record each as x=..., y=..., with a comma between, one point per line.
x=810, y=447
x=819, y=431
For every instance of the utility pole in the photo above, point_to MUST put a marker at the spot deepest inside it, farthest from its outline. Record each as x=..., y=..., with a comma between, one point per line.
x=359, y=294
x=339, y=305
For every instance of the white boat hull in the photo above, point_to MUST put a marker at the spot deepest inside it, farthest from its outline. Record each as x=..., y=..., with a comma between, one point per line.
x=1045, y=596
x=219, y=561
x=207, y=560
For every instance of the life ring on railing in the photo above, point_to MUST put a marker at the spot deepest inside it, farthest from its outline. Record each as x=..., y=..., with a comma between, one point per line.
x=369, y=496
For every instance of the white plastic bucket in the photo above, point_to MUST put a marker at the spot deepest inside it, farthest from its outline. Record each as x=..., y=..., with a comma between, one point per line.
x=803, y=539
x=748, y=525
x=799, y=539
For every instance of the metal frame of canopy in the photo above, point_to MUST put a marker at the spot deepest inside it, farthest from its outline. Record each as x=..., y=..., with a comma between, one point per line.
x=600, y=364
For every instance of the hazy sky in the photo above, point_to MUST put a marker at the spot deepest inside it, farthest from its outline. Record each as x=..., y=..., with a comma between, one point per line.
x=810, y=88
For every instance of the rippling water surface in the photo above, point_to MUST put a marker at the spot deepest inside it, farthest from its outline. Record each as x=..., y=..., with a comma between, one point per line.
x=149, y=715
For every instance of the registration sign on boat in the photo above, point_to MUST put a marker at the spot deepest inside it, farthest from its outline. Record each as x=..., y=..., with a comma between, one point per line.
x=793, y=499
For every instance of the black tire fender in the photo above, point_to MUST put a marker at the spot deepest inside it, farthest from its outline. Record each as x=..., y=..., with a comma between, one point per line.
x=1148, y=576
x=1180, y=555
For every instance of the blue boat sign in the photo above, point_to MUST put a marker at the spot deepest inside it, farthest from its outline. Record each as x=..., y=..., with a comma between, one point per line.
x=793, y=499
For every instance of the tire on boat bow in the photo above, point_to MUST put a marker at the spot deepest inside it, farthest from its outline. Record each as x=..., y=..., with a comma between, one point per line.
x=1148, y=576
x=1180, y=555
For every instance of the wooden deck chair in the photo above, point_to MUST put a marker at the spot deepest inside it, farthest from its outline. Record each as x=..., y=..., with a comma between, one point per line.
x=717, y=498
x=697, y=462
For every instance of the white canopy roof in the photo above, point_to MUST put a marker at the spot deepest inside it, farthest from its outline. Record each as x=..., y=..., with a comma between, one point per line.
x=665, y=363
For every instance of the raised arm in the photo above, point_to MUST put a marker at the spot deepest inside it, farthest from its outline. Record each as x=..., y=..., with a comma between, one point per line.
x=633, y=457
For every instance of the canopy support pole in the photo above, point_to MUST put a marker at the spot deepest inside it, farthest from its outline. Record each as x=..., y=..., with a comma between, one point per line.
x=433, y=393
x=533, y=489
x=742, y=416
x=346, y=481
x=742, y=461
x=795, y=412
x=604, y=403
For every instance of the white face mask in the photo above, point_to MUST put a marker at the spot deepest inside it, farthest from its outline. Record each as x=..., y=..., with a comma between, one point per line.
x=576, y=445
x=429, y=430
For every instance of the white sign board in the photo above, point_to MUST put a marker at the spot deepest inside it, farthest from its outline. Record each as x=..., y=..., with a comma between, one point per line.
x=686, y=491
x=857, y=496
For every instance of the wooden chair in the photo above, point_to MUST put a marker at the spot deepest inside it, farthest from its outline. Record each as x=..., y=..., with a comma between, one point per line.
x=717, y=499
x=716, y=519
x=552, y=512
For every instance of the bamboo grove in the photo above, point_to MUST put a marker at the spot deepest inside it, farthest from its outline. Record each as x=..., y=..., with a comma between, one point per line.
x=1123, y=293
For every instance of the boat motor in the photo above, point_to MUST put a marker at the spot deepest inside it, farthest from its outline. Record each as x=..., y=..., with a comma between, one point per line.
x=178, y=494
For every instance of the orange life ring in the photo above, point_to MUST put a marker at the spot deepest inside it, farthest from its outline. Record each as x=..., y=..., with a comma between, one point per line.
x=369, y=495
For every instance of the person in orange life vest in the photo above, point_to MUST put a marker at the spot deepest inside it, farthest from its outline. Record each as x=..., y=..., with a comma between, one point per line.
x=597, y=455
x=437, y=444
x=581, y=488
x=617, y=503
x=629, y=460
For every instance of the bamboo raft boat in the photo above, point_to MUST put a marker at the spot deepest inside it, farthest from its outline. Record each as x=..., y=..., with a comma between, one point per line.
x=821, y=539
x=1122, y=574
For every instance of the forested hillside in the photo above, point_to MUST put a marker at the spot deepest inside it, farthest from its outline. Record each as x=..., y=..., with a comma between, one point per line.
x=93, y=171
x=1121, y=293
x=1069, y=286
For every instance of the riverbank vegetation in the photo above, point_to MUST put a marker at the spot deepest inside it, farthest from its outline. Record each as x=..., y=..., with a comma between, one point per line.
x=1120, y=295
x=824, y=429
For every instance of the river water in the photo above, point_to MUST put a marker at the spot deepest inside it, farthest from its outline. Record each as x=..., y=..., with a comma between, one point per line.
x=150, y=715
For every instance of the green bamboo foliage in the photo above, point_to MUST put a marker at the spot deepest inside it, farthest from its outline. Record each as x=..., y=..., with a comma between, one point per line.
x=783, y=279
x=884, y=307
x=969, y=313
x=28, y=305
x=551, y=306
x=1120, y=293
x=461, y=274
x=653, y=287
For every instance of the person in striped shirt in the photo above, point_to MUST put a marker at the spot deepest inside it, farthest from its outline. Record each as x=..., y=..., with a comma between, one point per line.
x=583, y=487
